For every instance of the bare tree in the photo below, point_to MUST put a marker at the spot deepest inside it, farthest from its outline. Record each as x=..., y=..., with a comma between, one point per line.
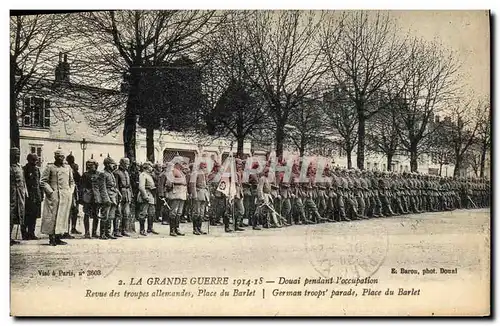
x=463, y=129
x=234, y=106
x=239, y=113
x=124, y=42
x=483, y=135
x=286, y=55
x=382, y=133
x=429, y=81
x=366, y=58
x=32, y=53
x=305, y=124
x=342, y=119
x=441, y=148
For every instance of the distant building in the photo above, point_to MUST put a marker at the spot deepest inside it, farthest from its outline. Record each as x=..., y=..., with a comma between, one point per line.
x=43, y=129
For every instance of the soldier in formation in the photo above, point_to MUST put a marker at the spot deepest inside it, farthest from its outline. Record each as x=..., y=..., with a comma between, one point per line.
x=263, y=198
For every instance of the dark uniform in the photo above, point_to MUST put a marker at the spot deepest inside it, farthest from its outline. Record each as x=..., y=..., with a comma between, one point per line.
x=123, y=220
x=33, y=206
x=90, y=197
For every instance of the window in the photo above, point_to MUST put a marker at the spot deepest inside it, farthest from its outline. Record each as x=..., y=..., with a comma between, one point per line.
x=406, y=168
x=383, y=167
x=36, y=149
x=368, y=165
x=36, y=112
x=375, y=166
x=401, y=168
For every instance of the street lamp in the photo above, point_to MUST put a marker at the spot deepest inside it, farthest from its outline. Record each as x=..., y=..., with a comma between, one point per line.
x=200, y=149
x=83, y=146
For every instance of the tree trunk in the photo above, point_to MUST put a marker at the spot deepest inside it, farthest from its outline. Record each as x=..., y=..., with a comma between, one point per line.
x=389, y=161
x=349, y=157
x=302, y=148
x=130, y=123
x=440, y=168
x=240, y=142
x=458, y=165
x=129, y=134
x=360, y=155
x=280, y=137
x=413, y=158
x=14, y=124
x=482, y=160
x=150, y=144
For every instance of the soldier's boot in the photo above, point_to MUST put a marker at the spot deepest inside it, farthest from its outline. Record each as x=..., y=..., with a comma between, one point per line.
x=237, y=222
x=307, y=219
x=200, y=225
x=342, y=215
x=102, y=230
x=116, y=228
x=172, y=225
x=131, y=225
x=142, y=230
x=74, y=218
x=95, y=224
x=319, y=218
x=124, y=227
x=195, y=225
x=86, y=226
x=177, y=223
x=109, y=234
x=389, y=208
x=52, y=240
x=354, y=211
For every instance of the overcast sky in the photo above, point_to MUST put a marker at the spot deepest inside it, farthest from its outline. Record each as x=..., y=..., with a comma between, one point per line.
x=466, y=32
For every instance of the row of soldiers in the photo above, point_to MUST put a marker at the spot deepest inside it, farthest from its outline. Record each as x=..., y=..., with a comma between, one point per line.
x=114, y=198
x=342, y=195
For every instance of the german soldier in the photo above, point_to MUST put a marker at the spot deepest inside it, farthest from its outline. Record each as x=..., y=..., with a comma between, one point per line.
x=58, y=184
x=91, y=198
x=146, y=199
x=109, y=198
x=178, y=197
x=18, y=192
x=34, y=197
x=201, y=196
x=124, y=188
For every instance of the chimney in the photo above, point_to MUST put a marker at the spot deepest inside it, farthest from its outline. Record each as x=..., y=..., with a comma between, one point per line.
x=62, y=69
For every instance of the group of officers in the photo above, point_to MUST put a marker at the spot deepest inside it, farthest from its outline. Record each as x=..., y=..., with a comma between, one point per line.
x=176, y=192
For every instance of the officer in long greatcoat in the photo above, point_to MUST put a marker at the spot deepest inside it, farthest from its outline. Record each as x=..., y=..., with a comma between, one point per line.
x=58, y=185
x=18, y=192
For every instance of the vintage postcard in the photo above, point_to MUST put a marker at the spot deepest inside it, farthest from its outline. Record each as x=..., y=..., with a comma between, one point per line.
x=250, y=163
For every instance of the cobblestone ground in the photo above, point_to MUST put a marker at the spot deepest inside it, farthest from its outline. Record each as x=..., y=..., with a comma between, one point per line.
x=458, y=239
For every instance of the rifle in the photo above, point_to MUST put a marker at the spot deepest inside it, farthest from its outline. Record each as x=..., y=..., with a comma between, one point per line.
x=165, y=203
x=282, y=219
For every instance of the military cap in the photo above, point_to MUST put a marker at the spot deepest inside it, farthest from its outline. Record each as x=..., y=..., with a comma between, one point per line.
x=108, y=160
x=146, y=164
x=58, y=152
x=70, y=158
x=32, y=156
